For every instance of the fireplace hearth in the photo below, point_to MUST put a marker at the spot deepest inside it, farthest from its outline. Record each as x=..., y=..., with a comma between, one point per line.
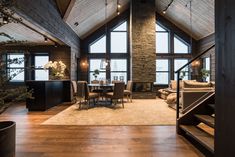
x=143, y=90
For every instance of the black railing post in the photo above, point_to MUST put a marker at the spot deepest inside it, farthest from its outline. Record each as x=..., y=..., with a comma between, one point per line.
x=178, y=95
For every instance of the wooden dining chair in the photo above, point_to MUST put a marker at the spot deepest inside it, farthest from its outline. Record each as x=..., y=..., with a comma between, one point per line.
x=128, y=91
x=84, y=95
x=117, y=94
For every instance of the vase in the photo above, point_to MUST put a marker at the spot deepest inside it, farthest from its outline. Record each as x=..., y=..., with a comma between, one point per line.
x=7, y=138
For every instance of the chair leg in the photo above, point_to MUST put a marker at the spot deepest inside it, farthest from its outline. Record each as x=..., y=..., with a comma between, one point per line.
x=122, y=103
x=131, y=97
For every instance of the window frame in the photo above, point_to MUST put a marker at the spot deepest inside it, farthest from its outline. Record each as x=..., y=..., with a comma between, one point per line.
x=171, y=56
x=35, y=68
x=109, y=55
x=163, y=71
x=184, y=42
x=8, y=68
x=166, y=31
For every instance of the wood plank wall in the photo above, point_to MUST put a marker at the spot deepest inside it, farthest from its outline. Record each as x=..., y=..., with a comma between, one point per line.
x=225, y=78
x=44, y=15
x=204, y=44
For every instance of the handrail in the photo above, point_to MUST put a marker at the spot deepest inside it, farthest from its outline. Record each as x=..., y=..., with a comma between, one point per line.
x=195, y=58
x=178, y=78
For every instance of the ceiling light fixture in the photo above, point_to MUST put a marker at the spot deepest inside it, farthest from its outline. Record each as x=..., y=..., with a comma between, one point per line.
x=45, y=39
x=104, y=62
x=118, y=7
x=165, y=10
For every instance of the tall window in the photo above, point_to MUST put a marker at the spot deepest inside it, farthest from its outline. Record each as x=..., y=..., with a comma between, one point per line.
x=40, y=73
x=174, y=53
x=117, y=52
x=95, y=64
x=162, y=39
x=119, y=39
x=162, y=71
x=206, y=66
x=99, y=46
x=16, y=71
x=180, y=46
x=178, y=63
x=119, y=69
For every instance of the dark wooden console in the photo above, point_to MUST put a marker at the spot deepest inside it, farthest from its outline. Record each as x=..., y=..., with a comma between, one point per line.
x=48, y=94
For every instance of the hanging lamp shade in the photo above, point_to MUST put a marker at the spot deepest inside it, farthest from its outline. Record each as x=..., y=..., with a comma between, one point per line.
x=103, y=64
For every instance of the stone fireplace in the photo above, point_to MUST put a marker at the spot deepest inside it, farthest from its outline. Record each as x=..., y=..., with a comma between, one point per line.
x=142, y=48
x=143, y=90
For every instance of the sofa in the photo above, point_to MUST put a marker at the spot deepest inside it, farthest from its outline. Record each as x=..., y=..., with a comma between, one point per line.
x=190, y=91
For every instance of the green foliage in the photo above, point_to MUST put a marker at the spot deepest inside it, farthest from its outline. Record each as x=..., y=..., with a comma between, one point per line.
x=205, y=73
x=10, y=94
x=96, y=73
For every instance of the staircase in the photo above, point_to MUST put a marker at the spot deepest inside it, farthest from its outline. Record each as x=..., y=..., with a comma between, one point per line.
x=197, y=125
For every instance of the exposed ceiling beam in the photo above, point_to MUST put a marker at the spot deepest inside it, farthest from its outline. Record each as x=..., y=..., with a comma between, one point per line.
x=62, y=6
x=69, y=9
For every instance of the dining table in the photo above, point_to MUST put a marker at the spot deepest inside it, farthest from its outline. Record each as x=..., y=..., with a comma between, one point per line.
x=101, y=89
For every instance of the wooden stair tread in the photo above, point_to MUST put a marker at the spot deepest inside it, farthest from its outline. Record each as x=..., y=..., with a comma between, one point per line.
x=200, y=136
x=208, y=120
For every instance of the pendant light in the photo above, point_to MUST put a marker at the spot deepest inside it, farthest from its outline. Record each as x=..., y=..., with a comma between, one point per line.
x=104, y=62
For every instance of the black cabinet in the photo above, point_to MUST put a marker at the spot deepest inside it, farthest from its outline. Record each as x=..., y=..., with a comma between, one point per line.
x=48, y=94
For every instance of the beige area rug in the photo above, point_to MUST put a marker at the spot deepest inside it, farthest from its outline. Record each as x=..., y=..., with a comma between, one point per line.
x=139, y=112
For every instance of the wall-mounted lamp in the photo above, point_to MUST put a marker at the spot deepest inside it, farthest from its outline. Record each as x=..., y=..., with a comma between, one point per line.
x=196, y=63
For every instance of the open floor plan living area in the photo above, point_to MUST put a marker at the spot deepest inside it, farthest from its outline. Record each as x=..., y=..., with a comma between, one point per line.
x=117, y=78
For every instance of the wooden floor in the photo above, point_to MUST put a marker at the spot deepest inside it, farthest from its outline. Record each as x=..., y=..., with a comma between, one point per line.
x=35, y=140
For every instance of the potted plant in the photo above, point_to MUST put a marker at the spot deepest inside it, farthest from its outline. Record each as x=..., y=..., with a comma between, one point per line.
x=7, y=138
x=96, y=73
x=205, y=74
x=57, y=69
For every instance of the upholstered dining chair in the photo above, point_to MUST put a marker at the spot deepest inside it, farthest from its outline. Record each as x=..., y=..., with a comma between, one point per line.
x=84, y=95
x=118, y=93
x=128, y=91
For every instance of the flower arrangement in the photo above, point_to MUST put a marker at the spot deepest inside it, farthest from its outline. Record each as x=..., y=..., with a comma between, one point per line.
x=57, y=69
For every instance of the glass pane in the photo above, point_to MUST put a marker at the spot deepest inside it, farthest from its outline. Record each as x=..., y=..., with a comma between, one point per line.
x=162, y=43
x=162, y=65
x=41, y=74
x=159, y=28
x=118, y=42
x=180, y=47
x=99, y=46
x=20, y=58
x=179, y=63
x=19, y=77
x=95, y=64
x=120, y=76
x=101, y=76
x=40, y=61
x=118, y=65
x=162, y=77
x=207, y=63
x=184, y=76
x=122, y=27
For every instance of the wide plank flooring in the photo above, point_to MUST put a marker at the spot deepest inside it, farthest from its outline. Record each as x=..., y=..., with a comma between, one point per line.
x=35, y=140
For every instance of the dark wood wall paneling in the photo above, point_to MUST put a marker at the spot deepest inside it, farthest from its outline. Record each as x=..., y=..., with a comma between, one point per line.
x=204, y=44
x=225, y=78
x=44, y=15
x=83, y=70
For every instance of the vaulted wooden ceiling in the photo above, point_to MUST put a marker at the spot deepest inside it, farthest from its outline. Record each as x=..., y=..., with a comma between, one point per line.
x=203, y=21
x=19, y=32
x=90, y=15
